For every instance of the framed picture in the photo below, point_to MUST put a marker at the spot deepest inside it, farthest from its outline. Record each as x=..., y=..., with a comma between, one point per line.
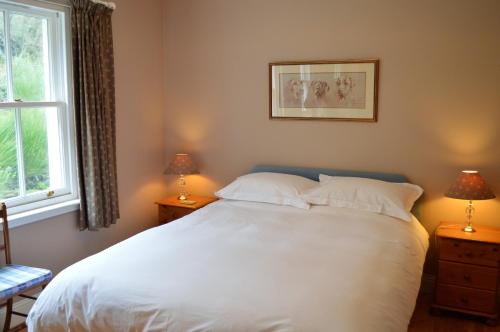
x=324, y=90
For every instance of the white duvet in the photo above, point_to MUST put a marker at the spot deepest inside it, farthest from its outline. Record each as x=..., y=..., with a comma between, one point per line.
x=241, y=266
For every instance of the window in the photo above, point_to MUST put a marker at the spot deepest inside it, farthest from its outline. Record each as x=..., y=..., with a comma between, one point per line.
x=37, y=160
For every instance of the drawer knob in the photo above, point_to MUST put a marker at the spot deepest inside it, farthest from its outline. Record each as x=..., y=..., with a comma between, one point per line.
x=456, y=244
x=469, y=255
x=495, y=249
x=464, y=300
x=467, y=278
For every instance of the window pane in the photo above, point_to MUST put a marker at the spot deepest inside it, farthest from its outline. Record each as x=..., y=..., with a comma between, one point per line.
x=29, y=49
x=9, y=184
x=42, y=159
x=3, y=65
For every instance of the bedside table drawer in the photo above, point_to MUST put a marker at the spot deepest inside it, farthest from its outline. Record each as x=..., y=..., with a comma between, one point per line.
x=170, y=213
x=478, y=253
x=468, y=275
x=466, y=298
x=171, y=208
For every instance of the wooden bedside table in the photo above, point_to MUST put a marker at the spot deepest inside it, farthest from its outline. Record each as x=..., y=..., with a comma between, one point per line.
x=468, y=270
x=171, y=208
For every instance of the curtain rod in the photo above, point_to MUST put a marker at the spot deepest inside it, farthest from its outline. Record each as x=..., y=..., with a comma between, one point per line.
x=110, y=5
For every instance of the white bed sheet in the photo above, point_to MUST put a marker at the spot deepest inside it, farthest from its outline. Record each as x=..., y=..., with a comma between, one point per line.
x=241, y=266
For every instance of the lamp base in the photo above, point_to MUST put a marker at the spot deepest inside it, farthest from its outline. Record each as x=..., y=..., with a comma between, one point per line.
x=468, y=229
x=469, y=211
x=182, y=188
x=188, y=202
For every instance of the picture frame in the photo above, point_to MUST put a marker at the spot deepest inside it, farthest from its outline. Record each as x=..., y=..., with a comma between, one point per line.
x=342, y=90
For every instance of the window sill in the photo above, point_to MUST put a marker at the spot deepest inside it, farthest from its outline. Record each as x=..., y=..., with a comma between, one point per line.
x=28, y=217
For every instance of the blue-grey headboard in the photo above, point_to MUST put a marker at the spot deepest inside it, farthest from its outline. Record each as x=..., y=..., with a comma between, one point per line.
x=313, y=173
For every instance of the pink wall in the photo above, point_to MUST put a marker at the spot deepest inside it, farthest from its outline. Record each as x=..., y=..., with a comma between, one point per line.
x=57, y=242
x=439, y=105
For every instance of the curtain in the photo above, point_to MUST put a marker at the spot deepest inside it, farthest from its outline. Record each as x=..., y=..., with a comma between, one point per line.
x=93, y=71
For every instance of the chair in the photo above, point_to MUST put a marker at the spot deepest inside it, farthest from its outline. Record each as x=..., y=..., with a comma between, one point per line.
x=15, y=280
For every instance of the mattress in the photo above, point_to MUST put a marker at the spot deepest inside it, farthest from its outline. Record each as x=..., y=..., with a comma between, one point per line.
x=243, y=266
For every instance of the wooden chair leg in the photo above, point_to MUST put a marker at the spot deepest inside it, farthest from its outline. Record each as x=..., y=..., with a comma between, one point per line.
x=8, y=315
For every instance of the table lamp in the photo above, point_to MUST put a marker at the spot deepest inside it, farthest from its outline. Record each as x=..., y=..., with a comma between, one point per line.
x=470, y=186
x=181, y=165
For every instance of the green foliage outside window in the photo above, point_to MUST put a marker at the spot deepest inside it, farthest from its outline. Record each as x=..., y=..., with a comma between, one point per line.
x=28, y=85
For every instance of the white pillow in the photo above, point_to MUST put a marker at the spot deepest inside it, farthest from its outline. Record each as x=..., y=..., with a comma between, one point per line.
x=392, y=199
x=275, y=188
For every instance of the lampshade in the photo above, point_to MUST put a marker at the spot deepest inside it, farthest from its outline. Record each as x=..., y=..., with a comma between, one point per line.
x=182, y=164
x=470, y=186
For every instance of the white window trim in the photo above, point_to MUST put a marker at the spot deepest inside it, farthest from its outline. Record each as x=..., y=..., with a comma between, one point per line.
x=43, y=213
x=66, y=201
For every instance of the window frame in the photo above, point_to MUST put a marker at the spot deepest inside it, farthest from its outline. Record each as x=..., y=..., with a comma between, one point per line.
x=59, y=49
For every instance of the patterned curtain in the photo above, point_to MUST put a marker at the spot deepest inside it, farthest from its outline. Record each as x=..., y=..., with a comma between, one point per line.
x=93, y=71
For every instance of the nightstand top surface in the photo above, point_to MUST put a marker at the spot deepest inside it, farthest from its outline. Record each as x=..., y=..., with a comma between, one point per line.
x=482, y=234
x=201, y=201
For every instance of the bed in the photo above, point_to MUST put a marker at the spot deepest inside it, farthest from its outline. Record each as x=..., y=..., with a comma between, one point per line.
x=247, y=266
